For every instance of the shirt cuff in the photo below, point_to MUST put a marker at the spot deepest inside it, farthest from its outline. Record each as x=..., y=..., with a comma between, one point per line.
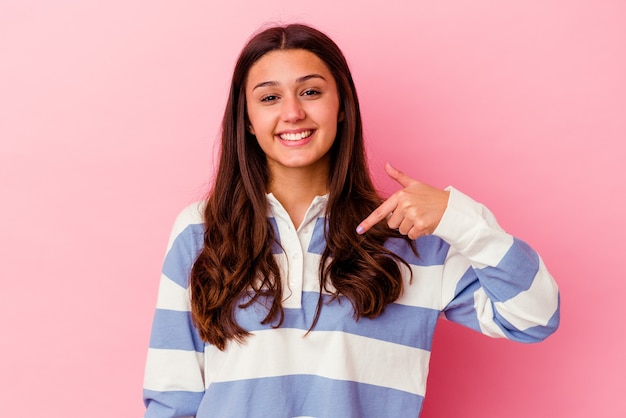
x=467, y=225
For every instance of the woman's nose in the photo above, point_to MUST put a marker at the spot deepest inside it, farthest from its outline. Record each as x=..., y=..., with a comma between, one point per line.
x=292, y=110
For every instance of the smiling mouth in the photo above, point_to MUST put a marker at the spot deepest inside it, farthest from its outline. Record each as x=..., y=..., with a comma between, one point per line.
x=295, y=136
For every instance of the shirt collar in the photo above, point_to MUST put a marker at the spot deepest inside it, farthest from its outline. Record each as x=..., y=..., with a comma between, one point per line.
x=316, y=210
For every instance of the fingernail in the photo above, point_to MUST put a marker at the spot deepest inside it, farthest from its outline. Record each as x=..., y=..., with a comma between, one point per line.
x=359, y=229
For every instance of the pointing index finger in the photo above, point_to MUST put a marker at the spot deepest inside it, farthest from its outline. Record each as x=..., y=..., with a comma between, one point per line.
x=380, y=213
x=398, y=175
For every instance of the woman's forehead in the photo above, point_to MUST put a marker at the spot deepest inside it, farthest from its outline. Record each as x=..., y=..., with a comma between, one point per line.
x=287, y=66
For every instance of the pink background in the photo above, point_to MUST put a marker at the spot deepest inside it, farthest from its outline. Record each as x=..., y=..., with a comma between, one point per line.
x=109, y=111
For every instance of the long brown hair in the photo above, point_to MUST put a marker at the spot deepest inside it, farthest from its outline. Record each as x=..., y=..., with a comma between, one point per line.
x=237, y=260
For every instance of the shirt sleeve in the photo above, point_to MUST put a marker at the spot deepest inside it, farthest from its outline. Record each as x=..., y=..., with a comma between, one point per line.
x=174, y=373
x=493, y=282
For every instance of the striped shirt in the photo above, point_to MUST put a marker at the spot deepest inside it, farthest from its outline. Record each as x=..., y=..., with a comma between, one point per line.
x=469, y=271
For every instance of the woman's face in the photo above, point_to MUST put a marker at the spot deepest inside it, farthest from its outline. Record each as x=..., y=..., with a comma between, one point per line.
x=293, y=109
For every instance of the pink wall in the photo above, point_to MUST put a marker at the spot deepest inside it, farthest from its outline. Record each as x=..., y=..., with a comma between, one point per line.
x=108, y=115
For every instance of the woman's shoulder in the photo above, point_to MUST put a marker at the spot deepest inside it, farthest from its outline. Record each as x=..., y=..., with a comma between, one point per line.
x=190, y=218
x=192, y=214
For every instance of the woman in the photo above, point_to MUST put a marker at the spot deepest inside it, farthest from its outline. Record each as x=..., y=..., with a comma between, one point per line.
x=295, y=290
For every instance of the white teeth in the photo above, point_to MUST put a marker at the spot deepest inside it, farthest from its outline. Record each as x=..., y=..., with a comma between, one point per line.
x=296, y=137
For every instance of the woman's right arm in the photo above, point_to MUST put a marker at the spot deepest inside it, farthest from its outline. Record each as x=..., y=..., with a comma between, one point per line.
x=174, y=374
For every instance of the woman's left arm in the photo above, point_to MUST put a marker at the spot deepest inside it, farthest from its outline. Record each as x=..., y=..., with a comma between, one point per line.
x=492, y=281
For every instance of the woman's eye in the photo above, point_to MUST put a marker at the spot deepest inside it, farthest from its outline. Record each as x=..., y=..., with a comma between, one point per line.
x=269, y=98
x=311, y=92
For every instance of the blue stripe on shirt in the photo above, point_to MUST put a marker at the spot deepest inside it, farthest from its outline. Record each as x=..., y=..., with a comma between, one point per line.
x=318, y=240
x=392, y=325
x=513, y=274
x=171, y=404
x=306, y=395
x=276, y=248
x=171, y=330
x=431, y=250
x=183, y=253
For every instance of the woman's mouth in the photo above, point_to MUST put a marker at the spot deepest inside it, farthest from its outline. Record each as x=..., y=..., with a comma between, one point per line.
x=289, y=136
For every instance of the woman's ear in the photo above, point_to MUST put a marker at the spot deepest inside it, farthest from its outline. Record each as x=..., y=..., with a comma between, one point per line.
x=341, y=116
x=250, y=128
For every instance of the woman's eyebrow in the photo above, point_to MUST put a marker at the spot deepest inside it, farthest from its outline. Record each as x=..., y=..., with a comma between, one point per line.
x=266, y=84
x=308, y=77
x=298, y=81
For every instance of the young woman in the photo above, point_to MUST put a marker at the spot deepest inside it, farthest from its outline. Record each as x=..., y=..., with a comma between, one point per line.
x=294, y=289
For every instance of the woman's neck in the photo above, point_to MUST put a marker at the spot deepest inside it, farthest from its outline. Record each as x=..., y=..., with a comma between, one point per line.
x=295, y=189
